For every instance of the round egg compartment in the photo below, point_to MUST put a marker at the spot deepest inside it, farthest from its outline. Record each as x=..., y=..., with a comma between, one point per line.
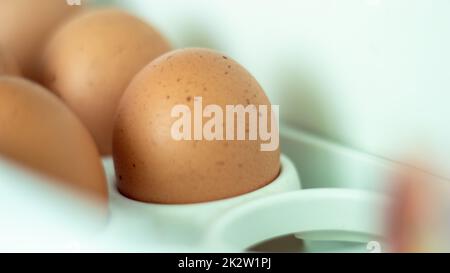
x=183, y=224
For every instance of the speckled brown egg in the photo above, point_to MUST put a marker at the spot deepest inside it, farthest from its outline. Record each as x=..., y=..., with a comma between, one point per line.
x=90, y=61
x=39, y=132
x=8, y=64
x=25, y=25
x=153, y=166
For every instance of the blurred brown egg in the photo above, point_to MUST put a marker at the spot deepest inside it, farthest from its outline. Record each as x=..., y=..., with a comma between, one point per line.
x=153, y=166
x=26, y=24
x=38, y=131
x=8, y=65
x=90, y=61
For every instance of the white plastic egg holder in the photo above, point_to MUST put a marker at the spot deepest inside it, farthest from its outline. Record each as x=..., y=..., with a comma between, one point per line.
x=235, y=224
x=185, y=224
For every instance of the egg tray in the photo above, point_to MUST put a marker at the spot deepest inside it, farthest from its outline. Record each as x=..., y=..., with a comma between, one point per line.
x=334, y=217
x=321, y=217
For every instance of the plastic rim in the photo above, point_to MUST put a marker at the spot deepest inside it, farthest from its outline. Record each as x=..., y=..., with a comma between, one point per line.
x=316, y=214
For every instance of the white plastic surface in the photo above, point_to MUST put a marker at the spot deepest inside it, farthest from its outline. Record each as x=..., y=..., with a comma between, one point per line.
x=326, y=164
x=318, y=214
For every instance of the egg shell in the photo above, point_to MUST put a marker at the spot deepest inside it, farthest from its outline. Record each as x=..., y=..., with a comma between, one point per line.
x=39, y=132
x=8, y=64
x=153, y=167
x=25, y=25
x=90, y=61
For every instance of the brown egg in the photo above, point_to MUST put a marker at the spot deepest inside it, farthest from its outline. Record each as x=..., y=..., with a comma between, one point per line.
x=26, y=24
x=91, y=60
x=38, y=131
x=8, y=65
x=153, y=166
